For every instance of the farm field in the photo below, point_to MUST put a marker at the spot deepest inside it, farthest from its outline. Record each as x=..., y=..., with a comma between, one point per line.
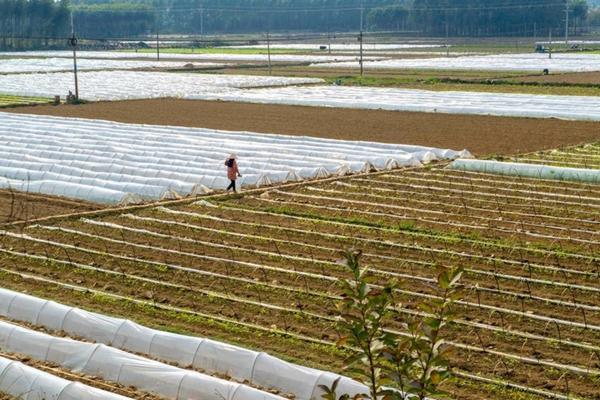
x=560, y=62
x=12, y=101
x=58, y=376
x=482, y=135
x=209, y=56
x=23, y=65
x=120, y=85
x=145, y=163
x=394, y=99
x=576, y=84
x=260, y=270
x=586, y=157
x=581, y=78
x=20, y=206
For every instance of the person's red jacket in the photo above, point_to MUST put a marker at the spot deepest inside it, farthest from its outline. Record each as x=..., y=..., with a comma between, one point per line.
x=233, y=171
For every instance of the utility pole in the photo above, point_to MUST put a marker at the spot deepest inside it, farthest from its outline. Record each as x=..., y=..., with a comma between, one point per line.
x=157, y=37
x=550, y=44
x=360, y=40
x=269, y=52
x=202, y=23
x=567, y=23
x=362, y=15
x=73, y=43
x=447, y=39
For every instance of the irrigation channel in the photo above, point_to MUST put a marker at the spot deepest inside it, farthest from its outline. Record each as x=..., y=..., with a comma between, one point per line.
x=261, y=270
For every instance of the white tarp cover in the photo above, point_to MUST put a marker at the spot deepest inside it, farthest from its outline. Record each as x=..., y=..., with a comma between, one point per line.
x=106, y=162
x=560, y=62
x=241, y=364
x=341, y=46
x=394, y=99
x=528, y=170
x=249, y=58
x=123, y=85
x=23, y=382
x=20, y=65
x=127, y=369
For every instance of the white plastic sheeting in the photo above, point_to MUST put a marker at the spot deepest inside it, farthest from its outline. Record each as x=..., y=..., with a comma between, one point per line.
x=341, y=46
x=560, y=62
x=104, y=161
x=528, y=170
x=23, y=382
x=250, y=58
x=450, y=102
x=19, y=65
x=123, y=85
x=241, y=364
x=118, y=366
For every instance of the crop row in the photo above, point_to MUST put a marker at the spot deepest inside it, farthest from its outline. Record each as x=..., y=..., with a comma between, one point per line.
x=247, y=302
x=587, y=156
x=529, y=316
x=9, y=101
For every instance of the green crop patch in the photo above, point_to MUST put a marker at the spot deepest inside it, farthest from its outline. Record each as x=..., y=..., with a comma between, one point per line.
x=16, y=101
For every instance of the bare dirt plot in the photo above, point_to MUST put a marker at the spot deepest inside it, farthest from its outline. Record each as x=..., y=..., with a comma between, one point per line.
x=19, y=206
x=591, y=78
x=262, y=270
x=482, y=135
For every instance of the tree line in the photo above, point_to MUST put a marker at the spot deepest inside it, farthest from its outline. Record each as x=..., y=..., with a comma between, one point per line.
x=457, y=18
x=29, y=23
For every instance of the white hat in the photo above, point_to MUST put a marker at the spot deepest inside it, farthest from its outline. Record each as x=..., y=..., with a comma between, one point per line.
x=232, y=156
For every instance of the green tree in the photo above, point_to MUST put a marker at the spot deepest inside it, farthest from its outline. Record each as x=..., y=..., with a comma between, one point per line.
x=394, y=365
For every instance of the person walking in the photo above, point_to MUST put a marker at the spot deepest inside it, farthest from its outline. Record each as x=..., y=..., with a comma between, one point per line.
x=233, y=171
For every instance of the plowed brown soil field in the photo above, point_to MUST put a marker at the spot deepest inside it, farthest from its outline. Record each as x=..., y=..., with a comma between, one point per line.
x=482, y=135
x=19, y=206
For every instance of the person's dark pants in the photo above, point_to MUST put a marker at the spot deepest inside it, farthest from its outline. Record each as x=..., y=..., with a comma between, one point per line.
x=231, y=186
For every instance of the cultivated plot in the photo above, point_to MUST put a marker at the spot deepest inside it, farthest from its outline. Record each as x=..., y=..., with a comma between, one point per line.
x=257, y=369
x=586, y=108
x=560, y=62
x=21, y=65
x=114, y=366
x=107, y=162
x=18, y=379
x=122, y=85
x=341, y=46
x=262, y=58
x=12, y=101
x=23, y=206
x=261, y=270
x=586, y=156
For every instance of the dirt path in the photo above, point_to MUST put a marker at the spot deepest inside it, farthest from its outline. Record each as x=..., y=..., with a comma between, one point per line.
x=482, y=135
